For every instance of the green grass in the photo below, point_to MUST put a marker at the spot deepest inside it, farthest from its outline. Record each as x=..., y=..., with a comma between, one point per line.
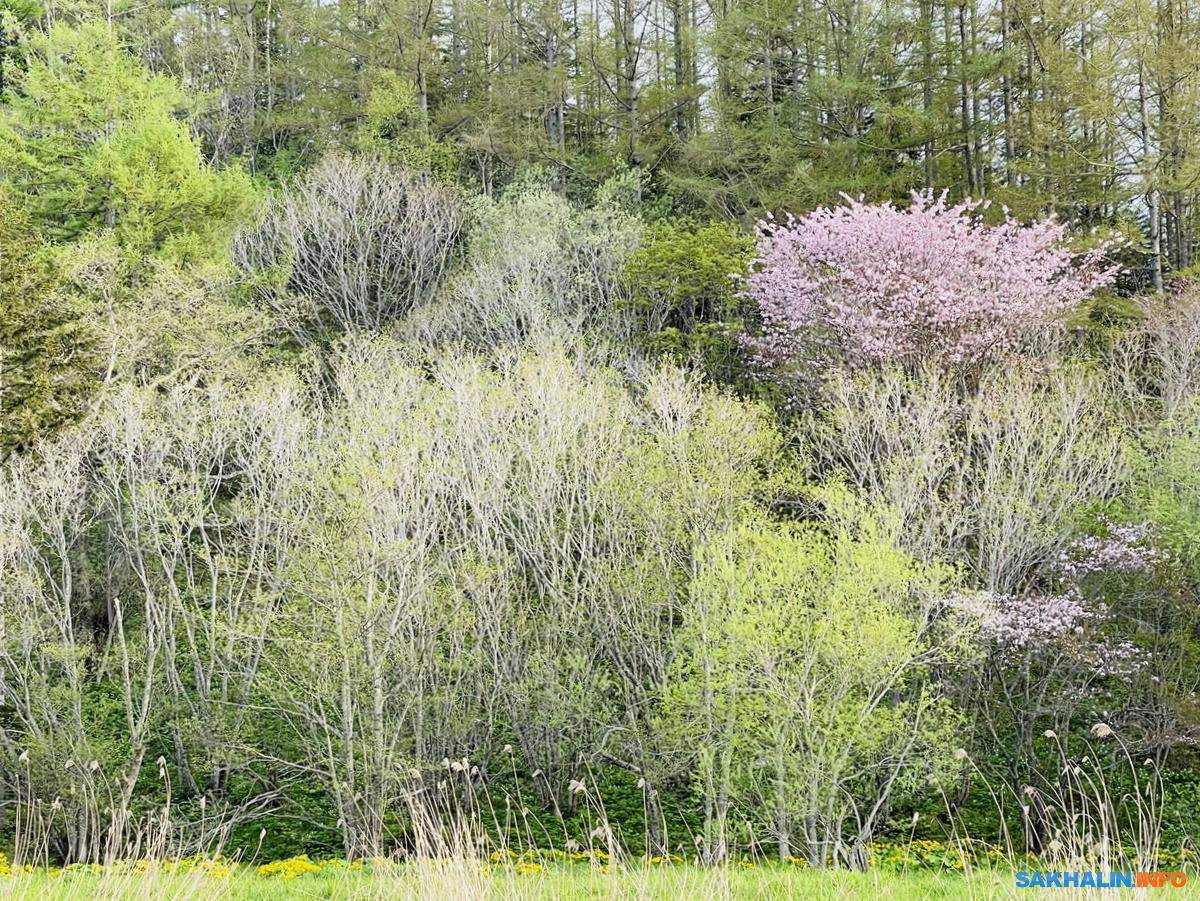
x=463, y=879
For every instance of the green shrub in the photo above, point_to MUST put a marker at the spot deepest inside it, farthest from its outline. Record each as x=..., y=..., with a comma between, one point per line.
x=684, y=294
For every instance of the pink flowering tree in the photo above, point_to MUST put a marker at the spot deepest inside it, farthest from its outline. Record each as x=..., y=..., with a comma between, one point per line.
x=1067, y=624
x=1078, y=656
x=863, y=285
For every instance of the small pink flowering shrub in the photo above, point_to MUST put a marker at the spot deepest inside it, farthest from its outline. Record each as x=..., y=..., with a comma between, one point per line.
x=1070, y=621
x=1124, y=548
x=1014, y=622
x=864, y=285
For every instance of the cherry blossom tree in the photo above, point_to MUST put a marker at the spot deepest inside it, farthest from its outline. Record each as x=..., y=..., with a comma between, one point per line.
x=864, y=285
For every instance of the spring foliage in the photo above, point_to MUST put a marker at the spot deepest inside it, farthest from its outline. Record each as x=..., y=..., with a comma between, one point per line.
x=95, y=140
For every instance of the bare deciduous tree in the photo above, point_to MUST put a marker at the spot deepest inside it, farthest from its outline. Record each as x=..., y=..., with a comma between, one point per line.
x=995, y=477
x=1173, y=327
x=353, y=245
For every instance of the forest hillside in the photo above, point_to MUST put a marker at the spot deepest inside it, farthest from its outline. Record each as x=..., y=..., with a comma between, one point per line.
x=729, y=435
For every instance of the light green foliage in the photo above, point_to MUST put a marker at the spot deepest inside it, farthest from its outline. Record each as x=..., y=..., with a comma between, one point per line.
x=454, y=554
x=537, y=268
x=97, y=141
x=480, y=551
x=165, y=319
x=397, y=128
x=101, y=149
x=804, y=660
x=1168, y=479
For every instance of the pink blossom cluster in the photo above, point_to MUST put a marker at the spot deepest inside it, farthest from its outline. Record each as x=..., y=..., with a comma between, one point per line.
x=1019, y=621
x=1124, y=548
x=869, y=284
x=1117, y=658
x=1030, y=622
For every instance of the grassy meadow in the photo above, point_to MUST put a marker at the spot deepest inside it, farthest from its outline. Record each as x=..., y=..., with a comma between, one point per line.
x=922, y=870
x=462, y=879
